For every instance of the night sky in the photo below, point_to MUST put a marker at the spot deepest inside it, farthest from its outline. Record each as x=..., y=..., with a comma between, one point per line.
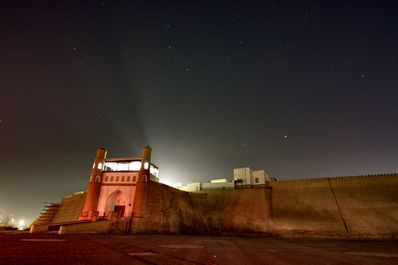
x=298, y=88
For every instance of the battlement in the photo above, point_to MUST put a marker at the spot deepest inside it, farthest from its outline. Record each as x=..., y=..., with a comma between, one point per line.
x=340, y=177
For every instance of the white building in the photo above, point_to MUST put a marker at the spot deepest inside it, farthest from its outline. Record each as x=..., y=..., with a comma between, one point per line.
x=213, y=184
x=246, y=176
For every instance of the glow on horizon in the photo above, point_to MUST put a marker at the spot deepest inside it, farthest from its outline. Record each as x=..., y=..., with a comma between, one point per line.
x=170, y=183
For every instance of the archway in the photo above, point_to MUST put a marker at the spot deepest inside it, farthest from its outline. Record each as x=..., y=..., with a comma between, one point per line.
x=116, y=202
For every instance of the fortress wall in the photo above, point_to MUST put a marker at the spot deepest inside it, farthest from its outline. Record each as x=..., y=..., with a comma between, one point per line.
x=70, y=208
x=200, y=213
x=344, y=206
x=215, y=210
x=331, y=207
x=162, y=209
x=369, y=205
x=248, y=211
x=305, y=207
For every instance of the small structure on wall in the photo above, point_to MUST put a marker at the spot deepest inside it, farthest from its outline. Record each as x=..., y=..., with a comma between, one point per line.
x=242, y=177
x=212, y=185
x=247, y=176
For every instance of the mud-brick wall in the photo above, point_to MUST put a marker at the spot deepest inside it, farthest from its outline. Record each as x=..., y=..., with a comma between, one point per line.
x=239, y=211
x=330, y=207
x=369, y=205
x=343, y=207
x=162, y=209
x=159, y=208
x=305, y=207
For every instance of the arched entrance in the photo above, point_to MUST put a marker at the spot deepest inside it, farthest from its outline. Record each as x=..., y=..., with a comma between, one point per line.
x=116, y=202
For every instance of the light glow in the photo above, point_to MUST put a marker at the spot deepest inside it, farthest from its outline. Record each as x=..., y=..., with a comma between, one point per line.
x=218, y=180
x=21, y=225
x=111, y=165
x=146, y=165
x=154, y=171
x=170, y=183
x=122, y=166
x=135, y=165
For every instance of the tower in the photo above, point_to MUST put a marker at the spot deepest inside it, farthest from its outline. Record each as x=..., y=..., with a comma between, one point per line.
x=141, y=191
x=144, y=173
x=94, y=186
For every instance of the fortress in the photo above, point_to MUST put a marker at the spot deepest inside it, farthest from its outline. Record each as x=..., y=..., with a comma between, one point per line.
x=124, y=196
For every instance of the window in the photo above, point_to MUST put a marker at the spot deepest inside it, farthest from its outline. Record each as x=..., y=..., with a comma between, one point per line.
x=117, y=179
x=256, y=180
x=134, y=178
x=111, y=166
x=146, y=165
x=123, y=179
x=106, y=179
x=135, y=165
x=122, y=166
x=97, y=179
x=128, y=179
x=111, y=178
x=154, y=171
x=99, y=166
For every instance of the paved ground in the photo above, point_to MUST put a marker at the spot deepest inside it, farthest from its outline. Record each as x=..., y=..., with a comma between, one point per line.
x=23, y=248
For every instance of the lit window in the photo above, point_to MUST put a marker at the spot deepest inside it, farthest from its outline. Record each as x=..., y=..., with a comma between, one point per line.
x=135, y=166
x=146, y=165
x=122, y=166
x=99, y=166
x=154, y=171
x=111, y=165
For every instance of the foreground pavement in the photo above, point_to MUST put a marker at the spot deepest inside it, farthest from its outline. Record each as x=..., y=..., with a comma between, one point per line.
x=23, y=248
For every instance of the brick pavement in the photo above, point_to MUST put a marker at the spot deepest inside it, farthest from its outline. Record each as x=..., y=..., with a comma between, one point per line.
x=23, y=248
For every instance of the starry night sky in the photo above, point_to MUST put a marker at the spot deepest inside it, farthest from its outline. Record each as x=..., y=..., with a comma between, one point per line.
x=298, y=88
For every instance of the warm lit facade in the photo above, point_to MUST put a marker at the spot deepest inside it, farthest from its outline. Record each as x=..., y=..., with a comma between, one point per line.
x=112, y=185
